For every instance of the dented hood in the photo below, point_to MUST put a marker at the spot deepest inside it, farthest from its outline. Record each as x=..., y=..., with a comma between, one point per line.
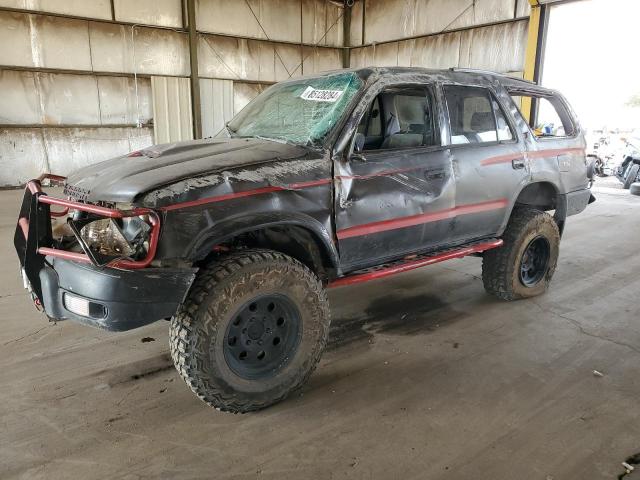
x=123, y=179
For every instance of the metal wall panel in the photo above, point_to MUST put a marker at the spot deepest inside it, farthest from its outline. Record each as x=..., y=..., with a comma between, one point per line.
x=279, y=18
x=15, y=30
x=71, y=149
x=31, y=98
x=321, y=23
x=22, y=156
x=19, y=102
x=397, y=19
x=25, y=153
x=69, y=99
x=121, y=103
x=500, y=48
x=59, y=43
x=356, y=24
x=167, y=13
x=524, y=8
x=171, y=109
x=82, y=8
x=126, y=49
x=440, y=51
x=217, y=100
x=41, y=41
x=242, y=59
x=320, y=60
x=243, y=93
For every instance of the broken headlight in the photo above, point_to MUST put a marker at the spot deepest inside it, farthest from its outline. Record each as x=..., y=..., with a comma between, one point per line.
x=107, y=239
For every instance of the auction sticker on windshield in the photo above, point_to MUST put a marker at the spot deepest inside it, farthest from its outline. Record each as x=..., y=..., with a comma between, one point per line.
x=321, y=95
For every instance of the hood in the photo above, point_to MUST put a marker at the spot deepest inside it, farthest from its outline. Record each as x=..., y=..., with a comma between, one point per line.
x=123, y=179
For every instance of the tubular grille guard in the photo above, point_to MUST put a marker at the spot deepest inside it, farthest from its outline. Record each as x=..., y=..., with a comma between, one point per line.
x=34, y=190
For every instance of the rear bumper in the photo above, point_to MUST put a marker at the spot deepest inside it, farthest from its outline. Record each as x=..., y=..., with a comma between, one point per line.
x=575, y=202
x=117, y=300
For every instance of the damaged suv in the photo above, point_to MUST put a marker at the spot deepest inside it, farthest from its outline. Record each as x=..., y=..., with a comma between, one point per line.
x=319, y=182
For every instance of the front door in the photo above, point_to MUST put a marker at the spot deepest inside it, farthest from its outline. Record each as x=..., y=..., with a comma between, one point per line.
x=393, y=194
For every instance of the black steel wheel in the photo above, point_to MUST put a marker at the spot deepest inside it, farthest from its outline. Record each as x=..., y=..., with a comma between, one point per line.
x=251, y=330
x=524, y=265
x=263, y=336
x=535, y=261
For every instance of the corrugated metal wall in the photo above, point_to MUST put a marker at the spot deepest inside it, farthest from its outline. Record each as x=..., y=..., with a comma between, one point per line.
x=76, y=74
x=173, y=121
x=483, y=34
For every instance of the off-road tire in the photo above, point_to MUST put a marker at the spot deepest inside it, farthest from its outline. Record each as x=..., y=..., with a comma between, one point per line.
x=634, y=189
x=198, y=329
x=501, y=266
x=632, y=176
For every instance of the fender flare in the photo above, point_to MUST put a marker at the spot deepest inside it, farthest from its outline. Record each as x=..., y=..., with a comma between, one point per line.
x=218, y=232
x=522, y=186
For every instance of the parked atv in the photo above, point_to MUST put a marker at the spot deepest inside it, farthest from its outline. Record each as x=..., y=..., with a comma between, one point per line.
x=628, y=171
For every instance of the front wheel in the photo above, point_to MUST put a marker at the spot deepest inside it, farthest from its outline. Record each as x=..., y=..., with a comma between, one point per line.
x=524, y=265
x=251, y=330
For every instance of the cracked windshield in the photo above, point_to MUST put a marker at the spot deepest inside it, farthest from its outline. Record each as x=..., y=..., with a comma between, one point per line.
x=298, y=112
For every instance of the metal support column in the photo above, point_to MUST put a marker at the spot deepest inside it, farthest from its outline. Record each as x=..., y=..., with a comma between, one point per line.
x=196, y=110
x=536, y=44
x=346, y=36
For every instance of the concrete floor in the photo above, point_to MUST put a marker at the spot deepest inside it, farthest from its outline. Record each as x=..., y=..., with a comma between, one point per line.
x=427, y=377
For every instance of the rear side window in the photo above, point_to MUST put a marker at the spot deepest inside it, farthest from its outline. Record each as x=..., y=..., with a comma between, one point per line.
x=475, y=116
x=547, y=116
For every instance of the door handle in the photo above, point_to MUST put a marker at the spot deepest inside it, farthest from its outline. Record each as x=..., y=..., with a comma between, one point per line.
x=434, y=174
x=518, y=163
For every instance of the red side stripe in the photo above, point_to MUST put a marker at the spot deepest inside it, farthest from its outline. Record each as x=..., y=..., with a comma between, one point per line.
x=556, y=151
x=501, y=159
x=246, y=193
x=531, y=154
x=403, y=222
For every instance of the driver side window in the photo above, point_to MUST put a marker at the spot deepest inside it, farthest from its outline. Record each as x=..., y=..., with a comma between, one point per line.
x=399, y=117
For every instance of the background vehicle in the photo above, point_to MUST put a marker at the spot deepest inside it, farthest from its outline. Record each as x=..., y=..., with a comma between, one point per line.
x=628, y=170
x=323, y=182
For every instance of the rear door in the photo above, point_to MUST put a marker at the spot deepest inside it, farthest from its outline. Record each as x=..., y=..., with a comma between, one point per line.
x=487, y=157
x=392, y=197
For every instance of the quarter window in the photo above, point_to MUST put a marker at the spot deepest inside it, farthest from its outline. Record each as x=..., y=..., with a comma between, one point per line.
x=475, y=116
x=548, y=117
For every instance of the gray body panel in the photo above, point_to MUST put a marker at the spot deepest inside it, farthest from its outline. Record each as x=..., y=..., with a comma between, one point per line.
x=363, y=213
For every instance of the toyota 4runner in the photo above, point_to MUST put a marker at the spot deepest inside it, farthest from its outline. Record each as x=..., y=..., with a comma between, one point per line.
x=320, y=182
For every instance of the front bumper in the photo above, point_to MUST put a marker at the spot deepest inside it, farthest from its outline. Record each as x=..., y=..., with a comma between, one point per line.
x=117, y=299
x=123, y=295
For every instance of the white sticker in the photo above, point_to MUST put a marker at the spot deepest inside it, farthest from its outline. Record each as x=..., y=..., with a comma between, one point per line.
x=321, y=95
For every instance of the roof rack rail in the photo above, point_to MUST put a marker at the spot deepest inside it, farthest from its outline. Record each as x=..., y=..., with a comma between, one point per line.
x=489, y=72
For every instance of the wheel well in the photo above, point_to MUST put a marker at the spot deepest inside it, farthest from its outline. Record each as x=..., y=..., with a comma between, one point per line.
x=295, y=241
x=541, y=195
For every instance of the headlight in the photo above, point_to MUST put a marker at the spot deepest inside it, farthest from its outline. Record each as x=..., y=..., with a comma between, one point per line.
x=106, y=238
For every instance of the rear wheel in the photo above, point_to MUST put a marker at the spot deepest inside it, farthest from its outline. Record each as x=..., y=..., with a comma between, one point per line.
x=251, y=330
x=524, y=265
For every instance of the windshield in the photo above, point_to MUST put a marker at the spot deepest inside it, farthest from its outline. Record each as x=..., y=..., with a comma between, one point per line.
x=299, y=112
